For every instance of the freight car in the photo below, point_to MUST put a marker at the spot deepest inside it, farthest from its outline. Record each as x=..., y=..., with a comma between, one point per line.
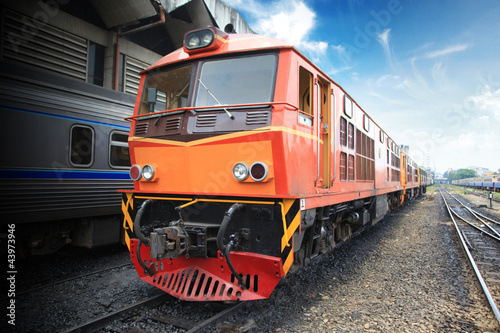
x=64, y=154
x=248, y=162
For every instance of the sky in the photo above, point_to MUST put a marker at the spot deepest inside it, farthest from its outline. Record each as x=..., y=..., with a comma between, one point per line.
x=426, y=71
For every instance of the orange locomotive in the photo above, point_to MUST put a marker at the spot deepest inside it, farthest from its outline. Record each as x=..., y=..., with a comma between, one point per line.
x=249, y=161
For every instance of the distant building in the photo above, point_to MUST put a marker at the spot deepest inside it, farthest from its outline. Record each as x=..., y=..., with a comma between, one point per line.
x=479, y=170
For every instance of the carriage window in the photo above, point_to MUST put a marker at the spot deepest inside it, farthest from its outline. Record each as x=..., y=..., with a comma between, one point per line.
x=81, y=146
x=118, y=150
x=305, y=88
x=347, y=106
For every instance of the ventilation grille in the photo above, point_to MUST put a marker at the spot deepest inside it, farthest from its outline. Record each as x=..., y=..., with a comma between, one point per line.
x=173, y=124
x=206, y=120
x=195, y=284
x=257, y=118
x=141, y=128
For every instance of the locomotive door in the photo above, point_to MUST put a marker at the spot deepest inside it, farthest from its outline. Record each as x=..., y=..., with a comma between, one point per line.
x=324, y=107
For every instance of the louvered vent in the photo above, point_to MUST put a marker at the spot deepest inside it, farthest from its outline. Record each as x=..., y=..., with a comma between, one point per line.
x=206, y=120
x=173, y=124
x=257, y=118
x=141, y=128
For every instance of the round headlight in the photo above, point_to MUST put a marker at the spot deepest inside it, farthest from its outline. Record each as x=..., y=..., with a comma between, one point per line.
x=207, y=38
x=240, y=171
x=258, y=171
x=135, y=172
x=193, y=42
x=148, y=172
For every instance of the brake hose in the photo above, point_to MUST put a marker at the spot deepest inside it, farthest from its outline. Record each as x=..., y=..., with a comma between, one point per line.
x=225, y=249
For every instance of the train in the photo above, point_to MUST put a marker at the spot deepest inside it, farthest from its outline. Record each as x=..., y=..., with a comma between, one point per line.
x=248, y=162
x=64, y=155
x=489, y=182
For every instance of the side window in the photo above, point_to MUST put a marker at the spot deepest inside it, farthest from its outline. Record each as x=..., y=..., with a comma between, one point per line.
x=351, y=168
x=347, y=106
x=343, y=131
x=350, y=136
x=343, y=166
x=81, y=146
x=305, y=90
x=118, y=150
x=366, y=123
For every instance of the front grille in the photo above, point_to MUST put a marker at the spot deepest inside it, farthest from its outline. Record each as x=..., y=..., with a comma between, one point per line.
x=141, y=128
x=206, y=120
x=257, y=118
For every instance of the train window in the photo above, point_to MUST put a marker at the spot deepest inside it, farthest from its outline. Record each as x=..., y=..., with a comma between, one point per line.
x=343, y=131
x=118, y=150
x=350, y=136
x=95, y=64
x=241, y=80
x=166, y=90
x=305, y=88
x=348, y=105
x=350, y=168
x=366, y=122
x=343, y=166
x=81, y=146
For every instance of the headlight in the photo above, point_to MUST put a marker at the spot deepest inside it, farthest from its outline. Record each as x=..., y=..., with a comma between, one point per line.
x=135, y=172
x=198, y=39
x=148, y=172
x=240, y=171
x=258, y=171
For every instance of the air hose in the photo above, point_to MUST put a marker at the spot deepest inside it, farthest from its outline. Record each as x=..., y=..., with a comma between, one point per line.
x=142, y=239
x=139, y=259
x=137, y=222
x=225, y=249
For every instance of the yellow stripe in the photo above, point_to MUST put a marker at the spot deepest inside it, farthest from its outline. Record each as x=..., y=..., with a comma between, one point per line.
x=225, y=137
x=288, y=262
x=127, y=220
x=288, y=232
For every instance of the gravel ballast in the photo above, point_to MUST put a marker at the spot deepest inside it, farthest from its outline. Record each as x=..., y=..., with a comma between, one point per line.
x=407, y=273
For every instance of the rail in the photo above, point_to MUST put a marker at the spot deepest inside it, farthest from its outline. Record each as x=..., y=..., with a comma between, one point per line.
x=466, y=246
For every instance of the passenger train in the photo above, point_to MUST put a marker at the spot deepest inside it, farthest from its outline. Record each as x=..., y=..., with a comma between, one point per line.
x=249, y=161
x=64, y=154
x=490, y=182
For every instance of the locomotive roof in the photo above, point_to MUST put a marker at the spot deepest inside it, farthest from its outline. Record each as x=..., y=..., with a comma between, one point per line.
x=238, y=43
x=244, y=43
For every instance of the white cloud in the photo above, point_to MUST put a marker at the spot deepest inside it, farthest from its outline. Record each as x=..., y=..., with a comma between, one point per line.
x=289, y=21
x=446, y=51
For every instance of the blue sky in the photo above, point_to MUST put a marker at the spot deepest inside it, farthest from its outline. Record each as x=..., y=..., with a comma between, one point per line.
x=427, y=71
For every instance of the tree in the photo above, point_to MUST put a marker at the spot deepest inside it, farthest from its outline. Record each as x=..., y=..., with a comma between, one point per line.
x=461, y=174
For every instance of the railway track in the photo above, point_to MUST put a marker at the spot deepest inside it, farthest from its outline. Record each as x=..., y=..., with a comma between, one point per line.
x=480, y=238
x=139, y=308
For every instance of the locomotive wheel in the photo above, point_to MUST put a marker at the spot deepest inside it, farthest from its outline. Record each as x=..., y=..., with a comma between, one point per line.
x=343, y=232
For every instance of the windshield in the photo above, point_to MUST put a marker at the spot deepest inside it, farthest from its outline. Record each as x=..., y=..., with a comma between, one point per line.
x=242, y=80
x=236, y=81
x=167, y=90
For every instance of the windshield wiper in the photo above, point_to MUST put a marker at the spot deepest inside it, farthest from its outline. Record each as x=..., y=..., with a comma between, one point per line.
x=215, y=98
